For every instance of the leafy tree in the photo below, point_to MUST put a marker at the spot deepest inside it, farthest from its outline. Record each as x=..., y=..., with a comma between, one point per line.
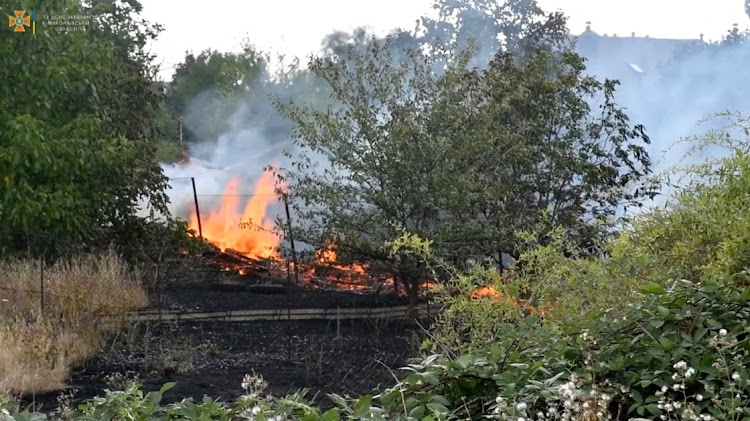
x=494, y=26
x=76, y=149
x=207, y=88
x=465, y=159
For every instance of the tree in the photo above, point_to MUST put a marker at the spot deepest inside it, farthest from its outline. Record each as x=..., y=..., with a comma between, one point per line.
x=207, y=88
x=464, y=159
x=494, y=27
x=76, y=149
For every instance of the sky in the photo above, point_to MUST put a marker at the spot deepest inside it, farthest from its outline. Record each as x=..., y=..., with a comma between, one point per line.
x=297, y=27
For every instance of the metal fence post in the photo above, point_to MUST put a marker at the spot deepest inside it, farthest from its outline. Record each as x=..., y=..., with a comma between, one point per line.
x=291, y=238
x=197, y=209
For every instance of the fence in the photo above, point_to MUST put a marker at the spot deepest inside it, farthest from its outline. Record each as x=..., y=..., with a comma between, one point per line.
x=199, y=223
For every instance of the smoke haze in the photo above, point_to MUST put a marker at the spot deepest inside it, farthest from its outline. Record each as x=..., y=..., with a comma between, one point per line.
x=666, y=86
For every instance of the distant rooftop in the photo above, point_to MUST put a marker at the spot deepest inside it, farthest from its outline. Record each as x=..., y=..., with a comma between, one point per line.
x=630, y=55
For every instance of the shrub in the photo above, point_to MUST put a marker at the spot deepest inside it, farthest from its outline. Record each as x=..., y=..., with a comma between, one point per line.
x=705, y=229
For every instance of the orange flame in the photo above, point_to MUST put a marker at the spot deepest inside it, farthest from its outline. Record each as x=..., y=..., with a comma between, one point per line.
x=485, y=292
x=250, y=234
x=351, y=277
x=489, y=291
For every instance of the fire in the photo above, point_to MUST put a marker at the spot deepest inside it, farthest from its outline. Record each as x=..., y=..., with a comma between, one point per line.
x=252, y=234
x=246, y=230
x=489, y=291
x=485, y=292
x=351, y=277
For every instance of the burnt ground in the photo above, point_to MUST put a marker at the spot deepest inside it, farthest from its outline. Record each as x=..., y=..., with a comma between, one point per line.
x=211, y=357
x=194, y=283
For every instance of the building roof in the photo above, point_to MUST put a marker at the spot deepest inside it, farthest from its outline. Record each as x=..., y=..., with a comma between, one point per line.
x=618, y=57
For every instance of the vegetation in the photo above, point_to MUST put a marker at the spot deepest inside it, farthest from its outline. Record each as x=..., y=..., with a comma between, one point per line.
x=678, y=349
x=76, y=149
x=488, y=145
x=44, y=334
x=208, y=88
x=464, y=159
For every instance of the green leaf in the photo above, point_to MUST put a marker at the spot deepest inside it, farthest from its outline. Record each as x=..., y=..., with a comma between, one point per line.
x=437, y=408
x=656, y=323
x=167, y=387
x=337, y=400
x=431, y=378
x=637, y=396
x=464, y=361
x=653, y=409
x=362, y=405
x=439, y=399
x=331, y=415
x=417, y=412
x=699, y=333
x=654, y=289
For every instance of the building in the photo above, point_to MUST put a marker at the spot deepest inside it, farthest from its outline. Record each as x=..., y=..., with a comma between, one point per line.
x=624, y=58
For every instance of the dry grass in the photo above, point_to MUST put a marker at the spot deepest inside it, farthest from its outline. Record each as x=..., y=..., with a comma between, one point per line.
x=84, y=299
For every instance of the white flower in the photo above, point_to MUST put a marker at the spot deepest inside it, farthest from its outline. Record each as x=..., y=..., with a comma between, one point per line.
x=521, y=406
x=540, y=414
x=677, y=405
x=680, y=365
x=699, y=397
x=521, y=419
x=735, y=376
x=664, y=389
x=723, y=332
x=690, y=371
x=499, y=399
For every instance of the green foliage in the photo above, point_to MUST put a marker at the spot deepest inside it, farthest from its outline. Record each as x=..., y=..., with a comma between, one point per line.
x=464, y=159
x=166, y=127
x=704, y=233
x=169, y=151
x=76, y=150
x=208, y=88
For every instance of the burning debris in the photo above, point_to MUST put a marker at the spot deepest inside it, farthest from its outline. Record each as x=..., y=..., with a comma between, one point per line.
x=245, y=242
x=249, y=233
x=230, y=260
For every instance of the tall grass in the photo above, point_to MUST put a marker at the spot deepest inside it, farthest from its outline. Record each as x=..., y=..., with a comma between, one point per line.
x=84, y=299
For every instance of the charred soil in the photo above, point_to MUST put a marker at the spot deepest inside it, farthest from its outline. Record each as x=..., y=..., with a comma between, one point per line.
x=211, y=358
